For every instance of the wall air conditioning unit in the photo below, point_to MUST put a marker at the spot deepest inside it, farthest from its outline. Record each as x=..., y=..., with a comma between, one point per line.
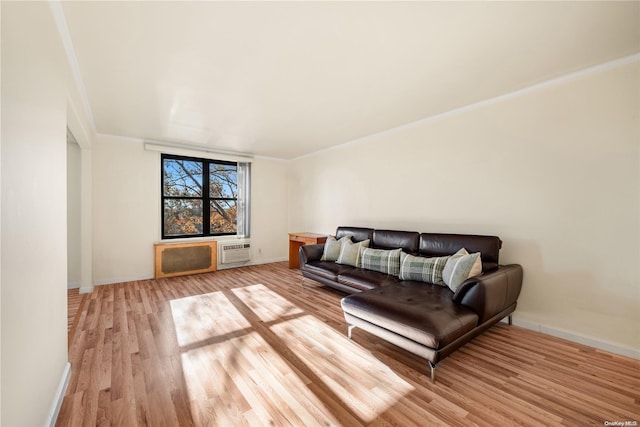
x=234, y=252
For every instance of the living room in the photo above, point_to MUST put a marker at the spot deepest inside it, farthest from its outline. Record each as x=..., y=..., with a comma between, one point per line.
x=535, y=140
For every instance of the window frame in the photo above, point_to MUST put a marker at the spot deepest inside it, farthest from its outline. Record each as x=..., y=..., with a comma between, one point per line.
x=205, y=198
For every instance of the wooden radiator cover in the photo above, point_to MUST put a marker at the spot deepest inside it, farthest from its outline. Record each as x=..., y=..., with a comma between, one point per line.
x=178, y=259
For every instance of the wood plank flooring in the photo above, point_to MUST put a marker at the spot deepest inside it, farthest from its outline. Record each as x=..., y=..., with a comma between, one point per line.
x=74, y=307
x=253, y=347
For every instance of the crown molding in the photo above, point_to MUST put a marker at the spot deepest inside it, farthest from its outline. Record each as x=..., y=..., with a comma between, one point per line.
x=63, y=30
x=596, y=69
x=61, y=24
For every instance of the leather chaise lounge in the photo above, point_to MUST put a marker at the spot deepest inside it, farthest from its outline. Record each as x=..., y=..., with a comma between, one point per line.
x=429, y=320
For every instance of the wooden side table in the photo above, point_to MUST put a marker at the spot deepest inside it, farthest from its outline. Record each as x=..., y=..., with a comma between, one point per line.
x=299, y=239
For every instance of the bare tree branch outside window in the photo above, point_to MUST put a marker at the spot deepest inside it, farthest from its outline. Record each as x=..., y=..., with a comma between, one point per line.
x=193, y=205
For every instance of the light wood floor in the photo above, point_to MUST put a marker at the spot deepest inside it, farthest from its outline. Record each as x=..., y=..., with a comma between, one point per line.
x=74, y=307
x=252, y=347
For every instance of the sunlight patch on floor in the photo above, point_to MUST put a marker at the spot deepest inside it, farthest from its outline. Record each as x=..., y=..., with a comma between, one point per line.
x=244, y=381
x=360, y=380
x=266, y=304
x=202, y=317
x=234, y=376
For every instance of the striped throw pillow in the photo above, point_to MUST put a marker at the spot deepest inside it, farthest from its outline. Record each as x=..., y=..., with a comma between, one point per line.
x=460, y=266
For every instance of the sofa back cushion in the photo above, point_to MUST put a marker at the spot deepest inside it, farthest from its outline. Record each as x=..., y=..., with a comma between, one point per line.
x=358, y=234
x=389, y=239
x=433, y=244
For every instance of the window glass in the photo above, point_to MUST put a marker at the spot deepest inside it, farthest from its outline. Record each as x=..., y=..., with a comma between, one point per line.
x=193, y=205
x=223, y=181
x=182, y=178
x=182, y=217
x=223, y=216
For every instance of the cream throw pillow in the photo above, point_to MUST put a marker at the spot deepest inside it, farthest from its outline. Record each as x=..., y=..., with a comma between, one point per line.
x=350, y=253
x=332, y=247
x=460, y=266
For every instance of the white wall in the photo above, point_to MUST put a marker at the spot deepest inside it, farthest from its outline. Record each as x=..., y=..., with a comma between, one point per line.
x=126, y=209
x=269, y=210
x=125, y=212
x=1, y=316
x=554, y=173
x=73, y=215
x=34, y=208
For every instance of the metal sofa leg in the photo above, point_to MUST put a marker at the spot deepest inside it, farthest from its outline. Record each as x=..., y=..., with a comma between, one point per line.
x=349, y=329
x=432, y=369
x=510, y=319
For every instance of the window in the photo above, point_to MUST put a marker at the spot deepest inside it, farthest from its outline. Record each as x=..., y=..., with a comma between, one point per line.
x=203, y=197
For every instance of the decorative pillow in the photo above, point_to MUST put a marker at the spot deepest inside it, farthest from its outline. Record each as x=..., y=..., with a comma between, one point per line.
x=384, y=261
x=460, y=267
x=350, y=253
x=422, y=269
x=332, y=248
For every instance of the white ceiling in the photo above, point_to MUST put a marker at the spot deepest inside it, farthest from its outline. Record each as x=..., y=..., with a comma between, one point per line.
x=283, y=79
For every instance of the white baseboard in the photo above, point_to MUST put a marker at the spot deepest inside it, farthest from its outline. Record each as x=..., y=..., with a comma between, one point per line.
x=246, y=264
x=268, y=261
x=73, y=285
x=150, y=276
x=578, y=338
x=57, y=399
x=122, y=279
x=538, y=327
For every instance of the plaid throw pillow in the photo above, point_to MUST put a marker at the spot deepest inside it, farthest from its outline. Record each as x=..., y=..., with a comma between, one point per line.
x=384, y=261
x=423, y=269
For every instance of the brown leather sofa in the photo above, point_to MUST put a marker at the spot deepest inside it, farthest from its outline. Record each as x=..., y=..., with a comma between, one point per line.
x=426, y=319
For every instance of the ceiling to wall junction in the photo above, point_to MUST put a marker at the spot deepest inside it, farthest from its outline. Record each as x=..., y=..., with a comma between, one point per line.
x=284, y=79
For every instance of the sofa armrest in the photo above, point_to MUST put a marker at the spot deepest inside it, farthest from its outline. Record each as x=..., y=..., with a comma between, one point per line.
x=490, y=293
x=310, y=253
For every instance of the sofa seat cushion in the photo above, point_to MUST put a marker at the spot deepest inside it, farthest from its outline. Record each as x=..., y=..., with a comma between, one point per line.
x=327, y=269
x=424, y=313
x=362, y=279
